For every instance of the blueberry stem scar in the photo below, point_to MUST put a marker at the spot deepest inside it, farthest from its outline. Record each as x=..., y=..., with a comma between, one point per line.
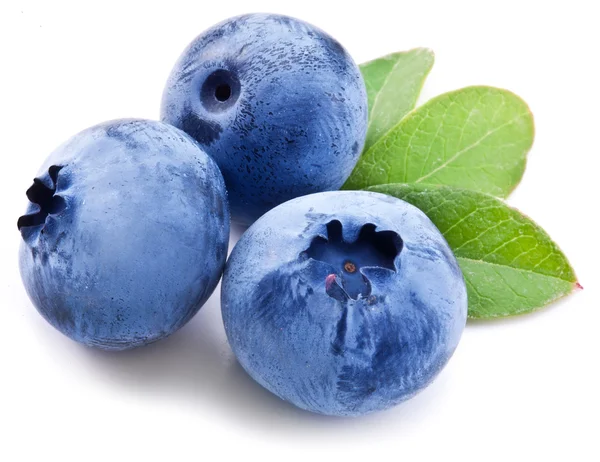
x=350, y=267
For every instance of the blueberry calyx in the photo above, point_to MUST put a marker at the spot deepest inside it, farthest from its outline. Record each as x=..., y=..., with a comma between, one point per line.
x=372, y=249
x=220, y=90
x=46, y=200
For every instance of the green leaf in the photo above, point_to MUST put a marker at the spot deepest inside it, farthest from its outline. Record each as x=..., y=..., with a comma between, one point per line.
x=510, y=264
x=475, y=138
x=393, y=86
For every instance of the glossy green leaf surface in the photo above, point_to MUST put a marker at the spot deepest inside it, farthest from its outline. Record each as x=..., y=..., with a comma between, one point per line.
x=475, y=138
x=393, y=84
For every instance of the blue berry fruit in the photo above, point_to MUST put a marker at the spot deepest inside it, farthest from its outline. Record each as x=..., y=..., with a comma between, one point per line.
x=126, y=234
x=343, y=303
x=278, y=103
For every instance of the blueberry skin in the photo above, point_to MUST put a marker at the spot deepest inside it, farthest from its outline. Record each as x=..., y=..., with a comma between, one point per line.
x=277, y=102
x=343, y=303
x=126, y=234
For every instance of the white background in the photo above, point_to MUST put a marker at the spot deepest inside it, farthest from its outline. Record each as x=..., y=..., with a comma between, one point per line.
x=518, y=389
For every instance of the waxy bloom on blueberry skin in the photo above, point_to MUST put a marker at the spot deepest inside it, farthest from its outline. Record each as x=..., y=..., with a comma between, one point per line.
x=126, y=233
x=278, y=103
x=343, y=303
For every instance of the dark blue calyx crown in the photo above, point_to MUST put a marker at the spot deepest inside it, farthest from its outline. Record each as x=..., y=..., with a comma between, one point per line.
x=372, y=249
x=220, y=90
x=46, y=200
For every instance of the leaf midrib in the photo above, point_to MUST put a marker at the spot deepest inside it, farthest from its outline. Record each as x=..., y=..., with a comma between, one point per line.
x=481, y=262
x=470, y=147
x=385, y=82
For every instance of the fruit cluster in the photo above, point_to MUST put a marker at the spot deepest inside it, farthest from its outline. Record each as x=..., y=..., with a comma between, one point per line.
x=340, y=302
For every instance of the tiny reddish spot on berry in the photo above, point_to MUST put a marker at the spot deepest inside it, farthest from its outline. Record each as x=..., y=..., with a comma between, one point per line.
x=329, y=280
x=350, y=267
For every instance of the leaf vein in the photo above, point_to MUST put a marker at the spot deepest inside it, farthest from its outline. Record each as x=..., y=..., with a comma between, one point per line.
x=471, y=146
x=376, y=100
x=481, y=262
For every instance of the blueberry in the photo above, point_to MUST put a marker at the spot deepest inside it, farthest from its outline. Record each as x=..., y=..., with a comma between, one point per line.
x=125, y=235
x=278, y=103
x=343, y=303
